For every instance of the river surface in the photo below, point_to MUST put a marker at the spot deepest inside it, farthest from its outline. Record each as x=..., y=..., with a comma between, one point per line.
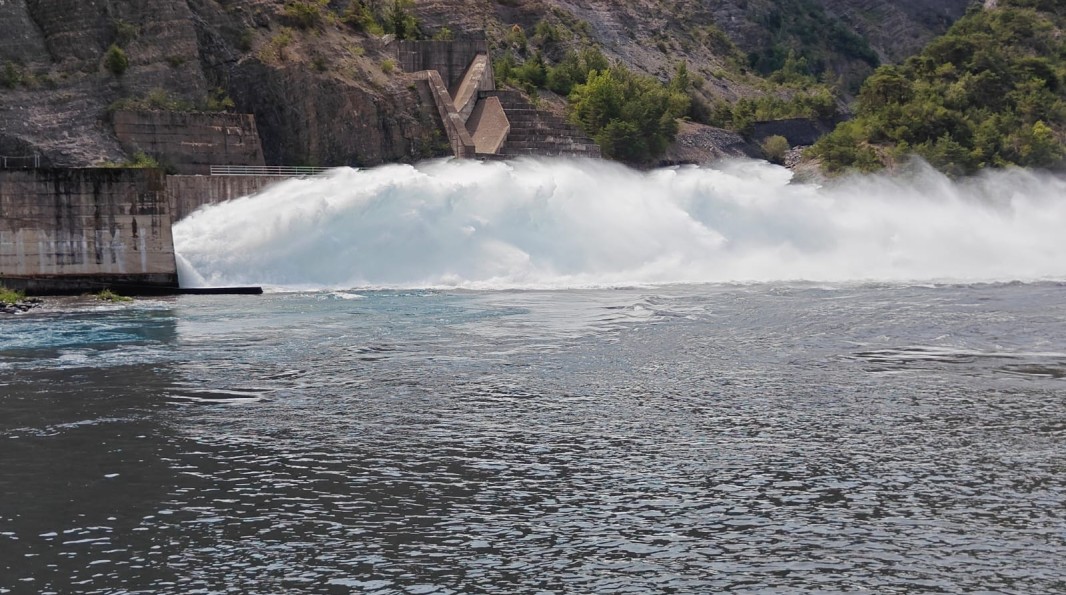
x=675, y=439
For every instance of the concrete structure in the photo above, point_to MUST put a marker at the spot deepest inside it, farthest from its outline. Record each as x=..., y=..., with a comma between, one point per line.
x=185, y=194
x=190, y=142
x=454, y=126
x=490, y=126
x=79, y=230
x=449, y=58
x=537, y=132
x=797, y=131
x=457, y=77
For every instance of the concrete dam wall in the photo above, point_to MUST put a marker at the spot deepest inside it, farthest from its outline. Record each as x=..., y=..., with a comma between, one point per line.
x=79, y=230
x=71, y=231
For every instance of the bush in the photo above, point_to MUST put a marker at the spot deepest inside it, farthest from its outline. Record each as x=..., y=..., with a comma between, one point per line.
x=388, y=66
x=10, y=296
x=990, y=92
x=11, y=75
x=123, y=32
x=306, y=13
x=632, y=117
x=108, y=295
x=400, y=22
x=774, y=148
x=359, y=16
x=115, y=60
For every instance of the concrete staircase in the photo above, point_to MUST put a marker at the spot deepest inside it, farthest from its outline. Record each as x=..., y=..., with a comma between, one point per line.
x=538, y=132
x=481, y=121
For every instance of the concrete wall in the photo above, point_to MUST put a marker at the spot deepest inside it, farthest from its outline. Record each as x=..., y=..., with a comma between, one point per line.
x=191, y=142
x=454, y=126
x=489, y=126
x=479, y=77
x=449, y=58
x=185, y=194
x=797, y=131
x=78, y=230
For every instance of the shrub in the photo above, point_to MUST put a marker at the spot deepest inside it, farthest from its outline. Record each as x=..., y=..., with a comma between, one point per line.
x=388, y=66
x=107, y=295
x=246, y=40
x=218, y=101
x=115, y=60
x=988, y=93
x=11, y=75
x=123, y=32
x=359, y=16
x=306, y=13
x=400, y=22
x=632, y=117
x=10, y=296
x=276, y=46
x=774, y=149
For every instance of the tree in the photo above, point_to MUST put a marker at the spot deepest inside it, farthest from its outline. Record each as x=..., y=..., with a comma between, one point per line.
x=633, y=118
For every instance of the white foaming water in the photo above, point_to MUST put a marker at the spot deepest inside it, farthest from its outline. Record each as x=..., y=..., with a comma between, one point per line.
x=576, y=223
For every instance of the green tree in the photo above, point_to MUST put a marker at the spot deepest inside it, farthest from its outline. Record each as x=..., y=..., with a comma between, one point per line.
x=633, y=118
x=989, y=93
x=116, y=61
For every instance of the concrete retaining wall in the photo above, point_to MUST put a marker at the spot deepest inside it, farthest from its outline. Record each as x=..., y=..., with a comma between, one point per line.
x=479, y=77
x=449, y=58
x=78, y=230
x=458, y=137
x=185, y=194
x=797, y=131
x=488, y=125
x=191, y=142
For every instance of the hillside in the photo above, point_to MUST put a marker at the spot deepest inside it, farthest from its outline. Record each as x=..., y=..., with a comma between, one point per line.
x=989, y=93
x=324, y=90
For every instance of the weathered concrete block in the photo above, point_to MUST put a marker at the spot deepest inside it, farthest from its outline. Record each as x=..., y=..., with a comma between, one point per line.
x=185, y=194
x=191, y=142
x=77, y=230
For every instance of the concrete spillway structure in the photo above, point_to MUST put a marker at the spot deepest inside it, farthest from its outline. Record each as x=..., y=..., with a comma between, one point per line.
x=72, y=231
x=80, y=230
x=479, y=120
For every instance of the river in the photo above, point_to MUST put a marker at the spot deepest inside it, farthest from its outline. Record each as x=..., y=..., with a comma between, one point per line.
x=567, y=421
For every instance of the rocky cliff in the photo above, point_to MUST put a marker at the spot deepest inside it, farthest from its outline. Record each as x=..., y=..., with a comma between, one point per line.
x=325, y=92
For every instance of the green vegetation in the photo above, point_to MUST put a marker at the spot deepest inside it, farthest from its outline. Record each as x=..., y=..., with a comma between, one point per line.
x=161, y=100
x=107, y=295
x=989, y=93
x=307, y=14
x=360, y=16
x=275, y=47
x=11, y=75
x=633, y=118
x=123, y=33
x=774, y=149
x=803, y=30
x=246, y=40
x=115, y=60
x=400, y=22
x=388, y=65
x=140, y=160
x=10, y=296
x=218, y=101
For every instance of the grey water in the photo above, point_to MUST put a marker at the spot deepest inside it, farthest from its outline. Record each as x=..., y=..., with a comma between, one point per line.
x=886, y=438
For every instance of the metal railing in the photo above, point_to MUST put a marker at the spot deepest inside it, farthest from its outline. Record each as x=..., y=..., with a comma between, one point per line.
x=289, y=171
x=20, y=162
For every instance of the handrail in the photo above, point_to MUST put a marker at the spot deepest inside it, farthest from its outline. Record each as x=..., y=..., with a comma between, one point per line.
x=266, y=170
x=20, y=161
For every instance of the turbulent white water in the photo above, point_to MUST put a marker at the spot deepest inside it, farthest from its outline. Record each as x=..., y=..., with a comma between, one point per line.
x=555, y=223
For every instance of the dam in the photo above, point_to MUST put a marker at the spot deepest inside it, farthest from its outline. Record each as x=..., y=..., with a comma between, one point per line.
x=76, y=230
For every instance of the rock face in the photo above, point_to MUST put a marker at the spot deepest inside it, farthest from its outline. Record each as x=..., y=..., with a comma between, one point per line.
x=324, y=93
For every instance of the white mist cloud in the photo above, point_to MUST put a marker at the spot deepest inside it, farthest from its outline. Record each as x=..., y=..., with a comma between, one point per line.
x=570, y=223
